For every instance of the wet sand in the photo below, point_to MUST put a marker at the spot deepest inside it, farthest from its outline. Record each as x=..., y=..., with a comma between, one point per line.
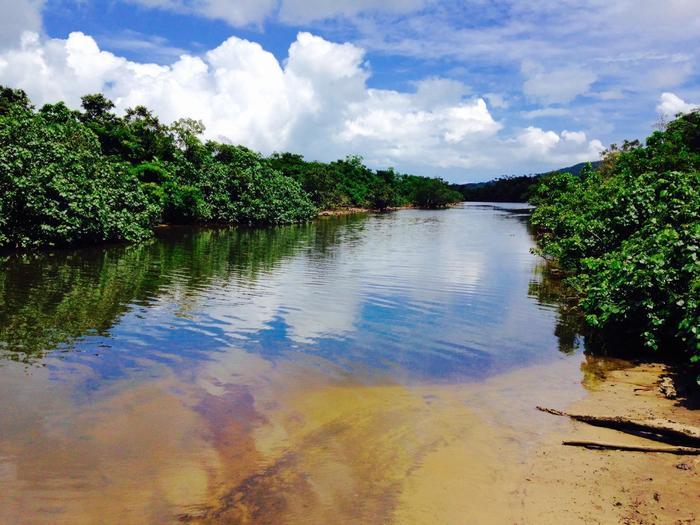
x=575, y=485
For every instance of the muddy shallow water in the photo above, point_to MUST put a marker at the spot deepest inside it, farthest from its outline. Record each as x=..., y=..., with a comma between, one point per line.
x=360, y=369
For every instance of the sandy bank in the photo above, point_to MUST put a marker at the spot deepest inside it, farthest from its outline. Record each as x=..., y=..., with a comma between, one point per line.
x=339, y=212
x=574, y=485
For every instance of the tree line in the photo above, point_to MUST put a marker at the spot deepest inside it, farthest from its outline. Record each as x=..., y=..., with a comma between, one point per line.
x=627, y=235
x=85, y=176
x=510, y=188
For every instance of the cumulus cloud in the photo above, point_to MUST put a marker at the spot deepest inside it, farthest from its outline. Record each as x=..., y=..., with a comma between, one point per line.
x=19, y=16
x=538, y=141
x=397, y=128
x=315, y=102
x=568, y=146
x=579, y=137
x=671, y=105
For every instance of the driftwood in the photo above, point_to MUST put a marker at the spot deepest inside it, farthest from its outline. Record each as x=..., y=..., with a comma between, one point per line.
x=595, y=445
x=656, y=429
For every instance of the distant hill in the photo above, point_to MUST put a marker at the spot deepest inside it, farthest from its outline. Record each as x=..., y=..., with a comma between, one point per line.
x=511, y=188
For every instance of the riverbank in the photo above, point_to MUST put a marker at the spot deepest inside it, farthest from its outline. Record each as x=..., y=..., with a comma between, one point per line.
x=340, y=212
x=576, y=485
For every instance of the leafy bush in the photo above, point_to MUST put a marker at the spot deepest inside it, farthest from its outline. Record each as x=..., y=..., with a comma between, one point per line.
x=71, y=176
x=56, y=187
x=349, y=183
x=263, y=195
x=629, y=234
x=430, y=193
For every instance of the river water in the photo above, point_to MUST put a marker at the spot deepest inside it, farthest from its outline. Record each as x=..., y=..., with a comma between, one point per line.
x=359, y=369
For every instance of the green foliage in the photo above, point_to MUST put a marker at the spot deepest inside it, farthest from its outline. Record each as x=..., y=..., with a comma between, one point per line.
x=349, y=183
x=513, y=188
x=629, y=234
x=13, y=99
x=429, y=193
x=260, y=194
x=87, y=176
x=57, y=188
x=504, y=189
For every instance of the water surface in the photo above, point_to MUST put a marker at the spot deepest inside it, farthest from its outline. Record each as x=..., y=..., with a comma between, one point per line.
x=327, y=372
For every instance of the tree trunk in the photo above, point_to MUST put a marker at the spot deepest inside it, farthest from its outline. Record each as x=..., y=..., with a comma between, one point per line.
x=595, y=445
x=656, y=429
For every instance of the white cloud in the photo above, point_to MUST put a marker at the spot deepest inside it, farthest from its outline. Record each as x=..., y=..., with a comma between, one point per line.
x=398, y=129
x=548, y=146
x=609, y=94
x=316, y=102
x=546, y=112
x=538, y=141
x=497, y=100
x=671, y=105
x=556, y=86
x=237, y=13
x=668, y=75
x=153, y=46
x=18, y=16
x=436, y=91
x=246, y=12
x=618, y=54
x=304, y=11
x=579, y=137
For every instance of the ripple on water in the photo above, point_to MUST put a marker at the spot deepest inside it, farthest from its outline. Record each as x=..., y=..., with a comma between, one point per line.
x=270, y=375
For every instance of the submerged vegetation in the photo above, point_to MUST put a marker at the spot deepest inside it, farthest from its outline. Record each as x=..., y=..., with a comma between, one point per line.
x=89, y=176
x=628, y=237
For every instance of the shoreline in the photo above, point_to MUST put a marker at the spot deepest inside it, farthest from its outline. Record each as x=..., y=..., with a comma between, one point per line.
x=576, y=485
x=166, y=227
x=340, y=212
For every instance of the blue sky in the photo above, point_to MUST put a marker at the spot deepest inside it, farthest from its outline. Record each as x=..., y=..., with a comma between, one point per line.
x=466, y=90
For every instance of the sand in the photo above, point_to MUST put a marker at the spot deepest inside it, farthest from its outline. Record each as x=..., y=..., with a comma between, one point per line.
x=574, y=485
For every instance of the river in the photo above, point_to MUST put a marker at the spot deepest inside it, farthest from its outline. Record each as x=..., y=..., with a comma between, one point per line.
x=358, y=369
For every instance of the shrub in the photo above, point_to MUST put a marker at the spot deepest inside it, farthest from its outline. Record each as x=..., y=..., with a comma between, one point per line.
x=630, y=237
x=56, y=188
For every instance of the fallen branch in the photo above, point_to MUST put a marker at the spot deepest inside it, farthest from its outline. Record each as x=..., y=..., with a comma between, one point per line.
x=656, y=429
x=594, y=445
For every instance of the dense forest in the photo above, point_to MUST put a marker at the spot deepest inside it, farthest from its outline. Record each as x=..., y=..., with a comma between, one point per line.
x=87, y=176
x=627, y=235
x=510, y=188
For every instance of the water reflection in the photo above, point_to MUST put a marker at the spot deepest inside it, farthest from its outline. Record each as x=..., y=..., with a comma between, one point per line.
x=258, y=375
x=430, y=293
x=48, y=300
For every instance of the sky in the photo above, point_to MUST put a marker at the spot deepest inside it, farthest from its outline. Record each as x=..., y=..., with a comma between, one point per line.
x=465, y=90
